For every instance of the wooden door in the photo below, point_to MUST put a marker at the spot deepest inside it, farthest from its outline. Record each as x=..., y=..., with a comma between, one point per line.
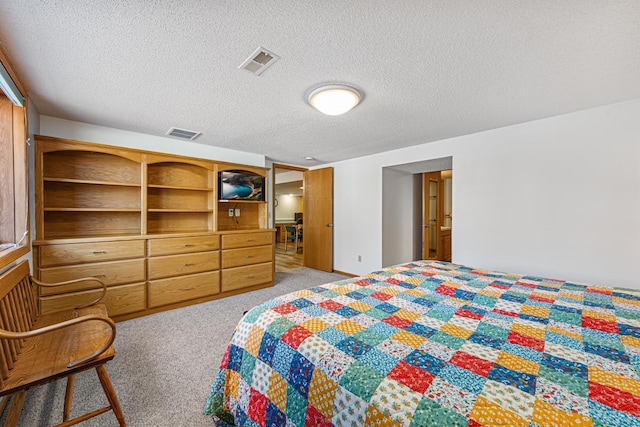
x=318, y=221
x=431, y=214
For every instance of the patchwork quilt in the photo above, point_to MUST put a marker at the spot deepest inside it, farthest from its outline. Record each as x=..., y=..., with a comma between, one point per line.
x=435, y=344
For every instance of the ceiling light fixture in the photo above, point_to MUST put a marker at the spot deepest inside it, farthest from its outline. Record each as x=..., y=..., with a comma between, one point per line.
x=334, y=100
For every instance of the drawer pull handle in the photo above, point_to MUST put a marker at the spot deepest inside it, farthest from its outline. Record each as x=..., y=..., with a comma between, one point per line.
x=250, y=277
x=189, y=264
x=251, y=240
x=99, y=252
x=187, y=289
x=188, y=245
x=249, y=256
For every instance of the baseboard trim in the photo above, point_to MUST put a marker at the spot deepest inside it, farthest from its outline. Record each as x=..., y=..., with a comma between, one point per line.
x=345, y=273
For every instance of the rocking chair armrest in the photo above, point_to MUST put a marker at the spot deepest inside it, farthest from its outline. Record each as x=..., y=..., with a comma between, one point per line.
x=69, y=282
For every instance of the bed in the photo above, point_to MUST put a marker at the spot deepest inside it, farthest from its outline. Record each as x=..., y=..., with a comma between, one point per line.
x=435, y=344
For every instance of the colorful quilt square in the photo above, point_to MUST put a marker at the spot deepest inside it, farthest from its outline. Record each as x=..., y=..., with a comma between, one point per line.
x=456, y=331
x=361, y=380
x=545, y=414
x=431, y=413
x=396, y=400
x=282, y=358
x=560, y=397
x=295, y=336
x=279, y=326
x=349, y=327
x=296, y=406
x=335, y=363
x=523, y=381
x=378, y=360
x=462, y=378
x=572, y=368
x=525, y=341
x=353, y=347
x=412, y=377
x=258, y=407
x=408, y=338
x=322, y=392
x=492, y=331
x=316, y=418
x=347, y=312
x=472, y=363
x=395, y=349
x=370, y=337
x=509, y=398
x=348, y=409
x=274, y=415
x=489, y=414
x=425, y=361
x=486, y=340
x=332, y=336
x=448, y=340
x=517, y=363
x=300, y=374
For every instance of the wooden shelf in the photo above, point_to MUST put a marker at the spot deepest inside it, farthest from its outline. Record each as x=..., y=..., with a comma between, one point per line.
x=91, y=210
x=90, y=182
x=242, y=201
x=108, y=209
x=177, y=187
x=181, y=210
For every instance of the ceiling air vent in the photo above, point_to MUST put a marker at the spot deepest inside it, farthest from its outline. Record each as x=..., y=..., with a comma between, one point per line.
x=189, y=135
x=259, y=61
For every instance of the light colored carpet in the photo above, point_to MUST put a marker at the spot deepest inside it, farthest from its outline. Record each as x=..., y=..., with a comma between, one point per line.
x=165, y=363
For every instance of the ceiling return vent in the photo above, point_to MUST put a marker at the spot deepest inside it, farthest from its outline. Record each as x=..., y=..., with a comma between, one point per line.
x=189, y=135
x=259, y=61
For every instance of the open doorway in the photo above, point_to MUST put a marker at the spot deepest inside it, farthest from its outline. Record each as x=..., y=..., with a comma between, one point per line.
x=288, y=214
x=406, y=225
x=436, y=215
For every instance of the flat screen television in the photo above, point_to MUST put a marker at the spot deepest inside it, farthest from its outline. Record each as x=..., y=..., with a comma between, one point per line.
x=241, y=185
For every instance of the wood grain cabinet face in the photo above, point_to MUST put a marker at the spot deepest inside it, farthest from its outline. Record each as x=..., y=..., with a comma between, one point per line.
x=111, y=273
x=246, y=256
x=178, y=265
x=76, y=253
x=119, y=300
x=243, y=277
x=243, y=240
x=183, y=288
x=181, y=245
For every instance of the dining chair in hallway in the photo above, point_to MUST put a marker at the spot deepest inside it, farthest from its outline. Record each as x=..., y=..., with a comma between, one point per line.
x=292, y=234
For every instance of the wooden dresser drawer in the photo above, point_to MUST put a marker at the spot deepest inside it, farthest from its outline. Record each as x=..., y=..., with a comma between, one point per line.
x=244, y=240
x=111, y=273
x=122, y=299
x=77, y=253
x=178, y=265
x=242, y=277
x=246, y=256
x=182, y=245
x=169, y=291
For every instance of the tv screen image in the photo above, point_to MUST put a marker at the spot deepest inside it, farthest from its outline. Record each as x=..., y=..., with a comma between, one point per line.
x=241, y=185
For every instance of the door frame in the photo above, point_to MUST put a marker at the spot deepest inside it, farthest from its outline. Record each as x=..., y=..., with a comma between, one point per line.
x=275, y=166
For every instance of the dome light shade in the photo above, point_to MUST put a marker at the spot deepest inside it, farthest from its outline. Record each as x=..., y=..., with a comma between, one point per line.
x=334, y=100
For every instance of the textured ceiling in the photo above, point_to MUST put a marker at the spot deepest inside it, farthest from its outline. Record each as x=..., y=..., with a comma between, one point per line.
x=428, y=69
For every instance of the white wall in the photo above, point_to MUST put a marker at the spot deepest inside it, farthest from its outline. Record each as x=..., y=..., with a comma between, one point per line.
x=397, y=218
x=558, y=197
x=52, y=126
x=287, y=207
